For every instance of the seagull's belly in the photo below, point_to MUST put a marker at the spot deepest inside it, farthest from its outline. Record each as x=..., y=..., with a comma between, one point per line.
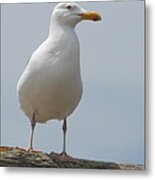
x=49, y=96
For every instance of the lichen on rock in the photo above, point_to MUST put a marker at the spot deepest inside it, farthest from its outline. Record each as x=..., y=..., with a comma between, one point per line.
x=18, y=157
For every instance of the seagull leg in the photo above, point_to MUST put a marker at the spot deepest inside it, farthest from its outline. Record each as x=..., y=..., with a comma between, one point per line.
x=64, y=156
x=33, y=123
x=64, y=128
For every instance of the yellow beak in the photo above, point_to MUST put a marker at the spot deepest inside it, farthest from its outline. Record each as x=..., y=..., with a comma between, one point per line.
x=94, y=16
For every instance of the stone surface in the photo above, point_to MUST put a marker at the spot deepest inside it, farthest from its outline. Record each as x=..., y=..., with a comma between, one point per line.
x=18, y=157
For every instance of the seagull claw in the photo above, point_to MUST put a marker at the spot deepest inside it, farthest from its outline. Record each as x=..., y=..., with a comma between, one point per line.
x=62, y=156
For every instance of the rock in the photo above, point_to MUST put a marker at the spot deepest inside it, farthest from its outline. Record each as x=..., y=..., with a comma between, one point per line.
x=18, y=157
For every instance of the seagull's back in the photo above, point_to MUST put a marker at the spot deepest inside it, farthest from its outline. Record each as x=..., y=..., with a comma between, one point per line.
x=51, y=86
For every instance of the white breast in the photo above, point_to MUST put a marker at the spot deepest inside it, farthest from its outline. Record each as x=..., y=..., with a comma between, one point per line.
x=51, y=84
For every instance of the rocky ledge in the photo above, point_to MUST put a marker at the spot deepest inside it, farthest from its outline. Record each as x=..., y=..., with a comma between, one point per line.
x=18, y=157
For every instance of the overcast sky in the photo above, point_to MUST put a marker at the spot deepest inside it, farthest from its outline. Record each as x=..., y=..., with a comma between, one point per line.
x=108, y=124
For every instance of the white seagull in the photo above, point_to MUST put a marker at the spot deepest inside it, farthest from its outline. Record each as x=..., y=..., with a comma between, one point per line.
x=50, y=86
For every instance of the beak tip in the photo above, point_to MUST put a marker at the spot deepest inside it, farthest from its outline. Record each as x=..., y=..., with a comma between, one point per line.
x=97, y=19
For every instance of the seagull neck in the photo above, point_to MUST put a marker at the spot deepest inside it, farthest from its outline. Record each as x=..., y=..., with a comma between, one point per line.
x=60, y=29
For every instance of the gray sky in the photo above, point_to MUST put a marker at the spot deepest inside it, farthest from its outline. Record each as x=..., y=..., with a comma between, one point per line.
x=109, y=122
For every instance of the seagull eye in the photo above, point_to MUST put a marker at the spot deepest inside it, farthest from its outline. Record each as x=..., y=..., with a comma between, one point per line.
x=68, y=6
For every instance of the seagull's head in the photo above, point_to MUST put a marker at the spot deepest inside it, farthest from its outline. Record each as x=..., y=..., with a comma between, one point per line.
x=72, y=13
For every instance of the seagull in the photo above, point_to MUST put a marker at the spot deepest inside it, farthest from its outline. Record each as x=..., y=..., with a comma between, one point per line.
x=50, y=86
